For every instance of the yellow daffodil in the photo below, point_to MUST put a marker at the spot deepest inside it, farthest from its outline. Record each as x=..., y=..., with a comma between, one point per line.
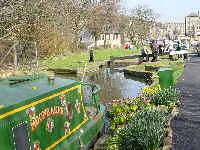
x=151, y=90
x=132, y=114
x=134, y=108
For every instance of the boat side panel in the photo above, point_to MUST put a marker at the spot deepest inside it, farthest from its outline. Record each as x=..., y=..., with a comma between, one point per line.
x=51, y=119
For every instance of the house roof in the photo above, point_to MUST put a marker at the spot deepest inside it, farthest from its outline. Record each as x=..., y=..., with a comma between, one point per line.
x=193, y=15
x=110, y=31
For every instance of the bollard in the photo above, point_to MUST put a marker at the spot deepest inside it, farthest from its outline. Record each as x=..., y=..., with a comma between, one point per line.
x=147, y=57
x=170, y=57
x=165, y=77
x=91, y=56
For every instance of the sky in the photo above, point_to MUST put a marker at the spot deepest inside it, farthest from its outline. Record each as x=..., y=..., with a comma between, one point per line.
x=169, y=10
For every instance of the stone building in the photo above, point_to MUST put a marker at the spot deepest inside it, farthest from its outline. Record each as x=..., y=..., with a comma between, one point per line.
x=110, y=39
x=192, y=25
x=168, y=30
x=174, y=30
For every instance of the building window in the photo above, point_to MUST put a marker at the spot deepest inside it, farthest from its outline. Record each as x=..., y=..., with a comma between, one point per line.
x=103, y=37
x=117, y=36
x=21, y=138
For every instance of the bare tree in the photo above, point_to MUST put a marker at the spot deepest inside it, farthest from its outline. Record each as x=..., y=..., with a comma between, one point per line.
x=52, y=23
x=104, y=17
x=142, y=20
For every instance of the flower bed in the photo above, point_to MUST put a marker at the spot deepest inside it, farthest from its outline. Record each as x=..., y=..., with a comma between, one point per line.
x=141, y=123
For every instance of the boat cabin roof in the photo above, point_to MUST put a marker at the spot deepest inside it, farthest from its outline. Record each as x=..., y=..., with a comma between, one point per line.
x=16, y=90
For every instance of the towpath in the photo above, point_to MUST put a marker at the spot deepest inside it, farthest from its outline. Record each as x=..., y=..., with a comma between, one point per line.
x=186, y=126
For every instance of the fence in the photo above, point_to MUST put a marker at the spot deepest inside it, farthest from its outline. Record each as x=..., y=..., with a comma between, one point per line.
x=18, y=55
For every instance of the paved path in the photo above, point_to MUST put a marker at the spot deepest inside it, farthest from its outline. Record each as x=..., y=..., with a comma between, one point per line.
x=186, y=126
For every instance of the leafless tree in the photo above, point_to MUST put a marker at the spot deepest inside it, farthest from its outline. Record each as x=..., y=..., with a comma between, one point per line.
x=51, y=23
x=104, y=17
x=142, y=20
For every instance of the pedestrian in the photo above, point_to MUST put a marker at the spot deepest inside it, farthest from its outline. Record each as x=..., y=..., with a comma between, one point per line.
x=187, y=46
x=131, y=47
x=151, y=45
x=91, y=55
x=164, y=44
x=171, y=46
x=160, y=49
x=170, y=49
x=126, y=46
x=198, y=49
x=154, y=51
x=144, y=52
x=178, y=48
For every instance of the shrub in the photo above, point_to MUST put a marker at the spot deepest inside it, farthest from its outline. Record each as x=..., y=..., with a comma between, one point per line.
x=144, y=131
x=120, y=113
x=167, y=97
x=112, y=143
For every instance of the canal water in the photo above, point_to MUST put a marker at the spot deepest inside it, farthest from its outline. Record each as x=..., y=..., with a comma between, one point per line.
x=114, y=84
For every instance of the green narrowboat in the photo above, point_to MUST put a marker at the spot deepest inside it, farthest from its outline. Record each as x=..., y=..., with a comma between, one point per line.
x=39, y=113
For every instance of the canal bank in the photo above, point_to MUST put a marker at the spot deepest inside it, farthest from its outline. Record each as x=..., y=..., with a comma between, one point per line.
x=186, y=125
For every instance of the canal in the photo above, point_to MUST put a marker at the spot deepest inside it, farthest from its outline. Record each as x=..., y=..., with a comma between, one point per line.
x=114, y=84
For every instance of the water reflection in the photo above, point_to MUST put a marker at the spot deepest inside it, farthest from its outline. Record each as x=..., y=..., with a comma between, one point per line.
x=114, y=84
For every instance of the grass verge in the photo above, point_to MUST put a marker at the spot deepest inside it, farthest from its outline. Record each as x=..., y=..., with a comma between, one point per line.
x=78, y=60
x=177, y=67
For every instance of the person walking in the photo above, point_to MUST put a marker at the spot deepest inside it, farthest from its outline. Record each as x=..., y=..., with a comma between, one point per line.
x=144, y=53
x=171, y=46
x=160, y=50
x=170, y=49
x=154, y=51
x=178, y=48
x=198, y=49
x=126, y=46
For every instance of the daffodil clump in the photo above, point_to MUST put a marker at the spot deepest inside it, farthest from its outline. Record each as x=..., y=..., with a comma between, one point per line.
x=121, y=112
x=167, y=97
x=151, y=90
x=138, y=123
x=144, y=131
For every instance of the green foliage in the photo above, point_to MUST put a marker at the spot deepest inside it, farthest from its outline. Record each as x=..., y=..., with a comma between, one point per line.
x=136, y=123
x=120, y=113
x=112, y=143
x=178, y=68
x=144, y=131
x=167, y=97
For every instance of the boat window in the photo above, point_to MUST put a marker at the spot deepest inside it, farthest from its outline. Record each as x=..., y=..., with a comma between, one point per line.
x=21, y=138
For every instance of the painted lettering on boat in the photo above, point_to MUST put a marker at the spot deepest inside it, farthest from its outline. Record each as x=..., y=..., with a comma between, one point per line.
x=48, y=112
